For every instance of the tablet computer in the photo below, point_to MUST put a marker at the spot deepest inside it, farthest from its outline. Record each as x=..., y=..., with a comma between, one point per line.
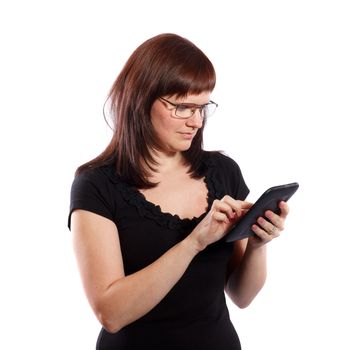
x=268, y=201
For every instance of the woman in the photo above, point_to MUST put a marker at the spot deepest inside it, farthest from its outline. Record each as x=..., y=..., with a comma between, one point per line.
x=148, y=215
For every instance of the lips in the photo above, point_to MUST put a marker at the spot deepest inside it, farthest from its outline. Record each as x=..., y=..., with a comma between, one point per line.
x=188, y=135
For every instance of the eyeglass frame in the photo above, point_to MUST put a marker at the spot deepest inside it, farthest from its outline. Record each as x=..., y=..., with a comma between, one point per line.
x=191, y=106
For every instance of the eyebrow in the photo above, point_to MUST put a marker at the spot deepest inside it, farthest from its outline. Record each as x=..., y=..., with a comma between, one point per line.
x=192, y=104
x=187, y=104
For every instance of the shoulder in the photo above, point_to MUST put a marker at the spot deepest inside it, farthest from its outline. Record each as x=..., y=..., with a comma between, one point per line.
x=221, y=161
x=95, y=183
x=226, y=174
x=98, y=176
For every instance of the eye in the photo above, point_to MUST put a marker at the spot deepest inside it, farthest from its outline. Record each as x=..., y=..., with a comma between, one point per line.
x=182, y=108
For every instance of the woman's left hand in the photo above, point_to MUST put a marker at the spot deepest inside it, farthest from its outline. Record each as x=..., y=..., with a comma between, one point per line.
x=268, y=229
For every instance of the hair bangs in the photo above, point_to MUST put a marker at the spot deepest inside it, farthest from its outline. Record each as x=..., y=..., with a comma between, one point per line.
x=191, y=80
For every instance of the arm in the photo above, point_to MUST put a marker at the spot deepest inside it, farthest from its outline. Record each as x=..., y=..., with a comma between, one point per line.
x=247, y=269
x=118, y=300
x=247, y=273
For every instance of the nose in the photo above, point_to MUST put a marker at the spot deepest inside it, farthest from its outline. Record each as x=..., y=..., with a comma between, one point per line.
x=196, y=120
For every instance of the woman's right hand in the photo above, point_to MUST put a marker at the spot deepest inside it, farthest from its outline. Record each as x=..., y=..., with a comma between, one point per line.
x=223, y=215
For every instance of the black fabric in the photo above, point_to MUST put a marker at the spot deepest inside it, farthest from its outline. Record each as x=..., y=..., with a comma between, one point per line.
x=193, y=315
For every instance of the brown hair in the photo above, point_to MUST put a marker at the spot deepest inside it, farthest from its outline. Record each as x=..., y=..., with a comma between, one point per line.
x=166, y=64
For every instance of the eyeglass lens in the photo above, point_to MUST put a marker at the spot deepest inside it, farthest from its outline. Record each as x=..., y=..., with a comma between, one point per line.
x=184, y=111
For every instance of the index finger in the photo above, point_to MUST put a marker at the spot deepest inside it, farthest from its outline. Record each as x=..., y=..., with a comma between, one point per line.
x=246, y=204
x=237, y=205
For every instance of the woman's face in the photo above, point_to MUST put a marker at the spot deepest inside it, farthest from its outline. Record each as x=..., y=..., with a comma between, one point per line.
x=176, y=135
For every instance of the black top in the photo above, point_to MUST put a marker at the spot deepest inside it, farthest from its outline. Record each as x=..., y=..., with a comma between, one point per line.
x=193, y=315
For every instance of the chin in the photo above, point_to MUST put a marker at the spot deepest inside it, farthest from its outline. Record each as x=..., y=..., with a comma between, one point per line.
x=183, y=148
x=179, y=147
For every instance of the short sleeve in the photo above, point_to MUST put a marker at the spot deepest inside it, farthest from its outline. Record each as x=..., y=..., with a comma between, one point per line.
x=90, y=192
x=241, y=190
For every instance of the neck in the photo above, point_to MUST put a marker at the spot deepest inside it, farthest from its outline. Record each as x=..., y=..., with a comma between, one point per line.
x=168, y=162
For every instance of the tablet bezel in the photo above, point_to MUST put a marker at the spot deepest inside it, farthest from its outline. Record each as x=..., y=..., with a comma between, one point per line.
x=268, y=201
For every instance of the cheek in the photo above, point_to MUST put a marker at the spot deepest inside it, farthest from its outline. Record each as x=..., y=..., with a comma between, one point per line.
x=162, y=123
x=156, y=118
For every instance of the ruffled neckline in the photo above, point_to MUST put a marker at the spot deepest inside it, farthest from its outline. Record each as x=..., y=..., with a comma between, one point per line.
x=154, y=212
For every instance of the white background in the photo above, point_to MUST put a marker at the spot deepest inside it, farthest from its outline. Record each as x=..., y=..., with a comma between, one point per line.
x=283, y=87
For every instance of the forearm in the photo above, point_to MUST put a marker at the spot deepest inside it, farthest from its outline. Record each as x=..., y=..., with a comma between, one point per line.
x=248, y=278
x=131, y=297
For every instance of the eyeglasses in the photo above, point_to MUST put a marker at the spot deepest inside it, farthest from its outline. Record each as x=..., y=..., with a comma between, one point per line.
x=186, y=110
